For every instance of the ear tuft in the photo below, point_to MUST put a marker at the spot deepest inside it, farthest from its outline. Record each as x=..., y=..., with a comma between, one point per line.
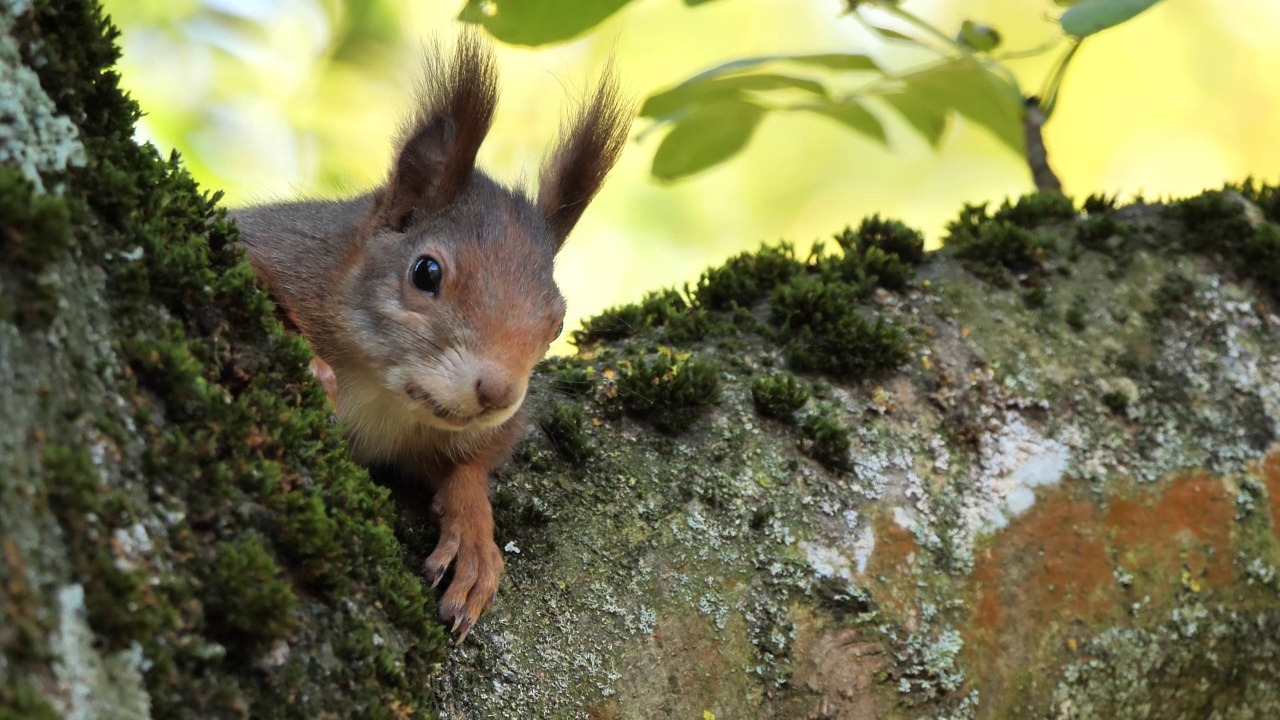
x=456, y=100
x=583, y=155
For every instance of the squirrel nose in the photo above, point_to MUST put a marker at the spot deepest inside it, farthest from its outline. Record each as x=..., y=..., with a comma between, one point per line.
x=495, y=394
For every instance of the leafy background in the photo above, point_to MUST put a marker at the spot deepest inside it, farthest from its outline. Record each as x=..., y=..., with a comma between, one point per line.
x=272, y=99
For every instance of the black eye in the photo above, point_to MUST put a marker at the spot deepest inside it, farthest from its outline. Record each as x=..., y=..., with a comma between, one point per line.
x=559, y=329
x=426, y=275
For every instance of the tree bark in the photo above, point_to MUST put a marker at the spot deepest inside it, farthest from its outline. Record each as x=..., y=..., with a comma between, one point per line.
x=1044, y=485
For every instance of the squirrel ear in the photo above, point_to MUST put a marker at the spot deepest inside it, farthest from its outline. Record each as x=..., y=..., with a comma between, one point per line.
x=583, y=155
x=437, y=155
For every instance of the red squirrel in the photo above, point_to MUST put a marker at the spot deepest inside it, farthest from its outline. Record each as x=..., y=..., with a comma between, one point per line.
x=429, y=301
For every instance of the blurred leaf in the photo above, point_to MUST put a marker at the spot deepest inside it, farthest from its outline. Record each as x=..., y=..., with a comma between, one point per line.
x=981, y=96
x=978, y=37
x=854, y=115
x=708, y=135
x=538, y=22
x=833, y=61
x=922, y=113
x=891, y=33
x=1065, y=3
x=1087, y=17
x=691, y=3
x=723, y=82
x=697, y=92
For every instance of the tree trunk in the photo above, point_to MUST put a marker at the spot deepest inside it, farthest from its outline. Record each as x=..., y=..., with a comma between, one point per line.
x=1032, y=475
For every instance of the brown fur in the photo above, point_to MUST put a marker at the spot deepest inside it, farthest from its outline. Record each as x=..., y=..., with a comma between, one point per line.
x=432, y=384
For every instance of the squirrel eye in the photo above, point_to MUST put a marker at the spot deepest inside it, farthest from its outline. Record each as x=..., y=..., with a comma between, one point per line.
x=559, y=329
x=426, y=275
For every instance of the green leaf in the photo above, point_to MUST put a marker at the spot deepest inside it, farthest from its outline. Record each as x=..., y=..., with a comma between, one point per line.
x=978, y=37
x=708, y=135
x=1093, y=16
x=854, y=115
x=538, y=22
x=891, y=34
x=965, y=86
x=924, y=114
x=702, y=90
x=834, y=61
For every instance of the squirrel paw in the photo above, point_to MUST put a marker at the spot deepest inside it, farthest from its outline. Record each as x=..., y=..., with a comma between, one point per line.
x=477, y=566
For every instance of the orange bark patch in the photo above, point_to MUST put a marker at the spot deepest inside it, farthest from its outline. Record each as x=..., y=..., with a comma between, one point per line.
x=1049, y=577
x=1271, y=475
x=1189, y=522
x=894, y=560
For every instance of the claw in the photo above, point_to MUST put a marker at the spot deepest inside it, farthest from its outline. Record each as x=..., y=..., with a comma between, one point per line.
x=466, y=629
x=456, y=622
x=434, y=574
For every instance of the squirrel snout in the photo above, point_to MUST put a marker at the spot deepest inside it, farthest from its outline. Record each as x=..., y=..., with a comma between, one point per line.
x=494, y=393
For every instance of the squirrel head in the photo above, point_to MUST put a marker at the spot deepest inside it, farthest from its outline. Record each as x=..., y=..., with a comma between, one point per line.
x=455, y=299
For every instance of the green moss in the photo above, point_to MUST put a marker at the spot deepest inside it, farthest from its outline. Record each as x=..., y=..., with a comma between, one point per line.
x=237, y=440
x=1099, y=204
x=1116, y=401
x=563, y=426
x=880, y=253
x=1076, y=317
x=1036, y=209
x=1213, y=223
x=618, y=323
x=670, y=391
x=745, y=279
x=1170, y=299
x=779, y=395
x=825, y=331
x=247, y=602
x=1000, y=251
x=22, y=702
x=825, y=438
x=1266, y=197
x=569, y=376
x=35, y=229
x=1261, y=259
x=1095, y=231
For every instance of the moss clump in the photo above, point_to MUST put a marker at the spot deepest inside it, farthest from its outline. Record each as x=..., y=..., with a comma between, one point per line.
x=1095, y=231
x=668, y=390
x=1000, y=251
x=1266, y=197
x=563, y=426
x=1076, y=317
x=1099, y=204
x=880, y=253
x=1116, y=401
x=1214, y=223
x=569, y=377
x=1261, y=259
x=1036, y=209
x=825, y=439
x=246, y=598
x=779, y=395
x=825, y=332
x=618, y=323
x=746, y=278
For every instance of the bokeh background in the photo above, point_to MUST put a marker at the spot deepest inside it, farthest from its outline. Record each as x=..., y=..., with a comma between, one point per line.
x=277, y=99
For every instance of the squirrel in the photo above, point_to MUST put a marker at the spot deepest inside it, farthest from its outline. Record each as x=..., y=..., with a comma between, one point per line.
x=429, y=300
